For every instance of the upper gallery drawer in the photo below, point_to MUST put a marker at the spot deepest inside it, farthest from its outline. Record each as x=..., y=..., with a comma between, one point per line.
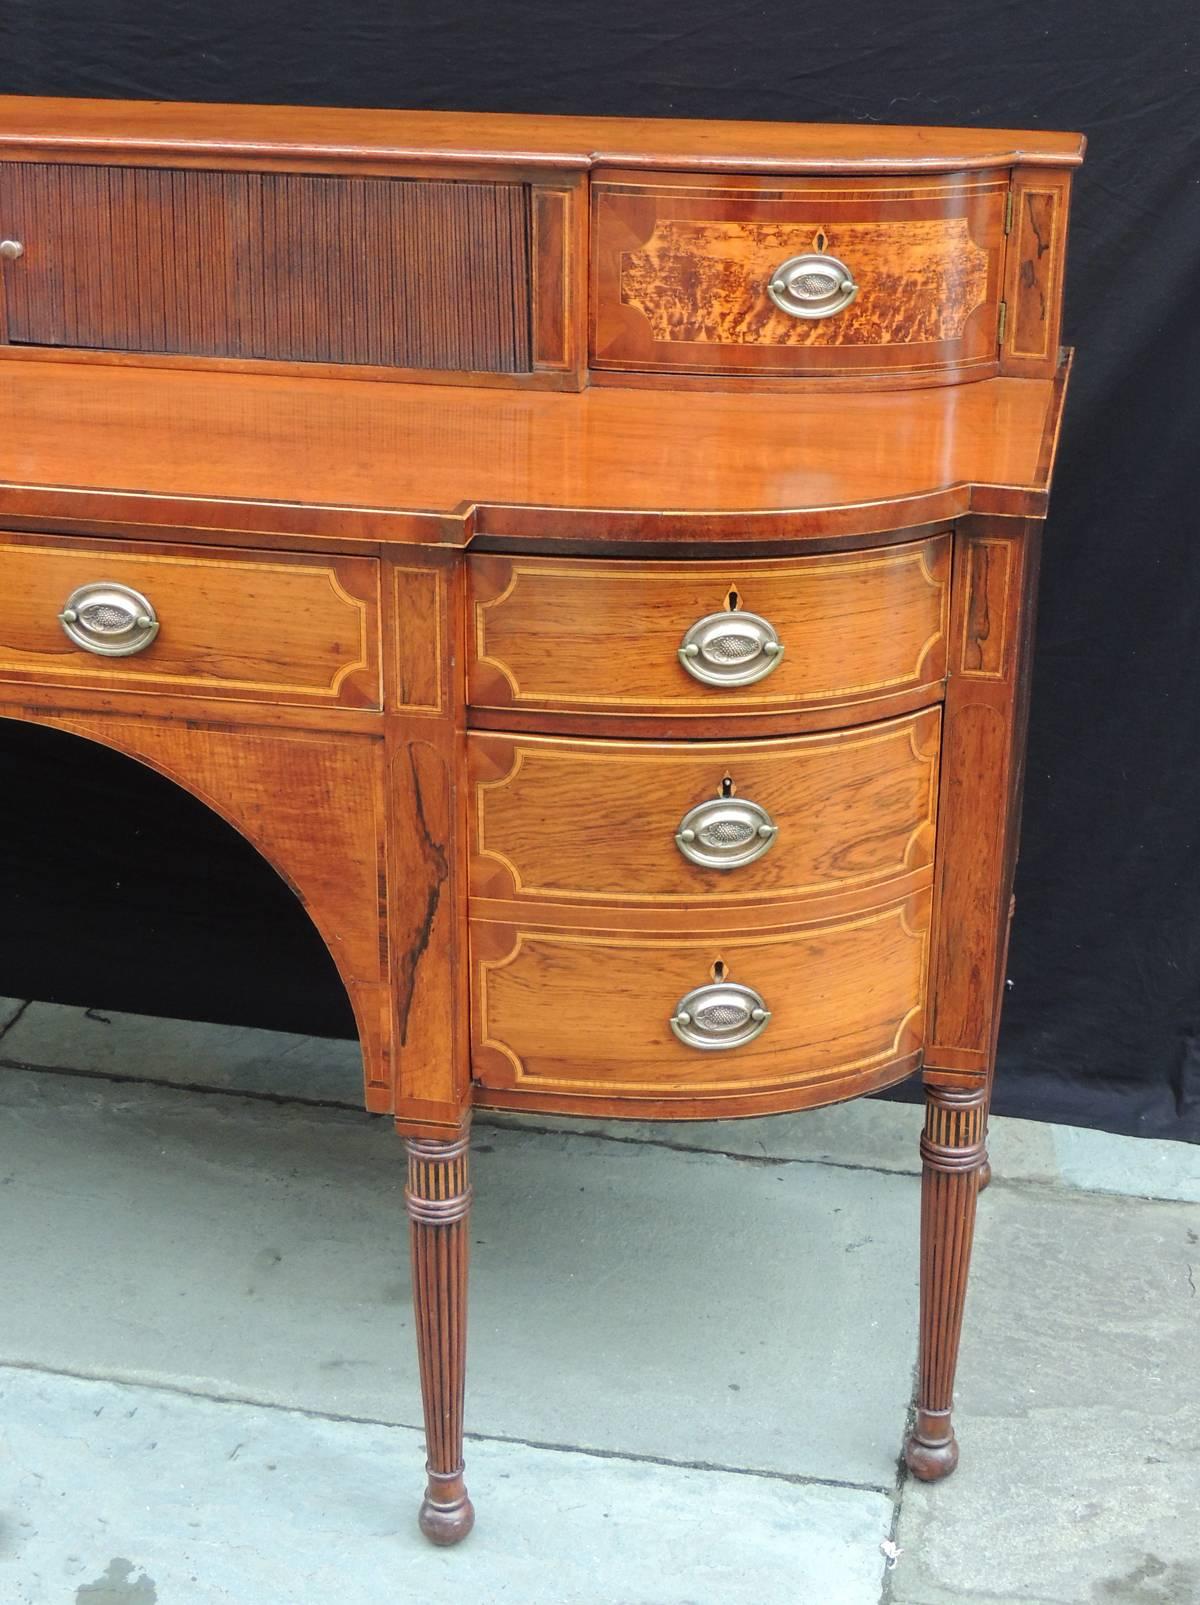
x=294, y=267
x=572, y=635
x=854, y=276
x=194, y=622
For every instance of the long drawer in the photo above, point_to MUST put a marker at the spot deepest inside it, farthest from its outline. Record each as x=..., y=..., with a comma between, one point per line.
x=640, y=824
x=672, y=1016
x=194, y=621
x=571, y=635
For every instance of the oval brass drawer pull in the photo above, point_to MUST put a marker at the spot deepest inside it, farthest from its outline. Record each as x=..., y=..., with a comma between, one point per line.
x=732, y=648
x=725, y=833
x=111, y=620
x=812, y=286
x=719, y=1015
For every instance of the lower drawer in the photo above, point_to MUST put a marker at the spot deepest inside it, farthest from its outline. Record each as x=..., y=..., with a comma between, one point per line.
x=839, y=814
x=602, y=1014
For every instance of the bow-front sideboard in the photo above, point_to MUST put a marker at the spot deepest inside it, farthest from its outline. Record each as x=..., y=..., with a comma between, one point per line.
x=594, y=562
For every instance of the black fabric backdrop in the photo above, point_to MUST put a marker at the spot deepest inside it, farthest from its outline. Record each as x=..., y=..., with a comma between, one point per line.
x=121, y=892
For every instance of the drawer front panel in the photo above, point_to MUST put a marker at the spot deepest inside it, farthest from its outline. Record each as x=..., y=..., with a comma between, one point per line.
x=599, y=821
x=577, y=636
x=590, y=1012
x=292, y=267
x=887, y=275
x=252, y=628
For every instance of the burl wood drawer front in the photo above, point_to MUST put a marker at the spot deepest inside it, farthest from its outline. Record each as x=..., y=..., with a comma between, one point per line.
x=590, y=1012
x=682, y=267
x=409, y=273
x=641, y=823
x=573, y=635
x=261, y=628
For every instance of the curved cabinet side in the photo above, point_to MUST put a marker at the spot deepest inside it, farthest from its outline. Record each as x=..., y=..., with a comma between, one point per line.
x=274, y=786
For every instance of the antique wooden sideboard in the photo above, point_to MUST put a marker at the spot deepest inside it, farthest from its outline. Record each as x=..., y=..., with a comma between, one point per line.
x=593, y=561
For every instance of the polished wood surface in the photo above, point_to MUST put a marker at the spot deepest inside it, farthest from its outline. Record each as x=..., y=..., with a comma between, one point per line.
x=586, y=1012
x=154, y=129
x=361, y=463
x=420, y=641
x=308, y=268
x=1034, y=270
x=560, y=634
x=681, y=267
x=274, y=784
x=953, y=1155
x=266, y=628
x=438, y=1199
x=569, y=821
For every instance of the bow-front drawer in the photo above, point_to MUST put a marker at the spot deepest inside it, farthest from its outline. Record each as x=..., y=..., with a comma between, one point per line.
x=690, y=640
x=670, y=1018
x=194, y=621
x=647, y=824
x=897, y=277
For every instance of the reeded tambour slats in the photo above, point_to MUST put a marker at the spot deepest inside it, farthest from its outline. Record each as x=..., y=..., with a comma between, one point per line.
x=408, y=273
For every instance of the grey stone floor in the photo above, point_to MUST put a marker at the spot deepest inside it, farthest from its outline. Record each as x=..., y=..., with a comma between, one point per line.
x=690, y=1360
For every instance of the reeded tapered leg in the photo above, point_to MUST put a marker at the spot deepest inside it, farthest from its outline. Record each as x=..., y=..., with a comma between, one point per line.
x=438, y=1197
x=952, y=1156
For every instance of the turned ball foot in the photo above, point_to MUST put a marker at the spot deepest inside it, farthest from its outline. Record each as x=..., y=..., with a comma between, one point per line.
x=930, y=1462
x=931, y=1452
x=447, y=1514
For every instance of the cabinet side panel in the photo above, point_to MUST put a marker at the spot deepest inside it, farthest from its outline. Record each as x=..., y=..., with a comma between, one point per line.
x=1033, y=274
x=982, y=764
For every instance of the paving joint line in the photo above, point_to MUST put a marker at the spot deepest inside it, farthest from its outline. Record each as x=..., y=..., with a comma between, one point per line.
x=8, y=1025
x=486, y=1120
x=181, y=1390
x=126, y=1078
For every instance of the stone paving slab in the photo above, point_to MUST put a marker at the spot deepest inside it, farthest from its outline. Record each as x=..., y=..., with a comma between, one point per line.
x=187, y=1052
x=1079, y=1417
x=871, y=1132
x=129, y=1496
x=687, y=1306
x=866, y=1134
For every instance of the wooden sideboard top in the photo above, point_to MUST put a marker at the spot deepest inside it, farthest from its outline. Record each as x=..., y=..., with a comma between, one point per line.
x=148, y=129
x=356, y=462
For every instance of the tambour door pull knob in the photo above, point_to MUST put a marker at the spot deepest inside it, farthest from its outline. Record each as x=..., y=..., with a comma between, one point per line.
x=10, y=250
x=109, y=619
x=730, y=648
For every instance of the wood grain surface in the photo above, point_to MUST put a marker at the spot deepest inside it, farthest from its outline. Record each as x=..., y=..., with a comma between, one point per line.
x=153, y=130
x=278, y=787
x=569, y=821
x=681, y=267
x=566, y=635
x=587, y=1012
x=262, y=628
x=296, y=267
x=250, y=456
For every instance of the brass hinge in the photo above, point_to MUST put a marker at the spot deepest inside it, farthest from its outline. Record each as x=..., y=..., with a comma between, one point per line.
x=1008, y=212
x=1002, y=324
